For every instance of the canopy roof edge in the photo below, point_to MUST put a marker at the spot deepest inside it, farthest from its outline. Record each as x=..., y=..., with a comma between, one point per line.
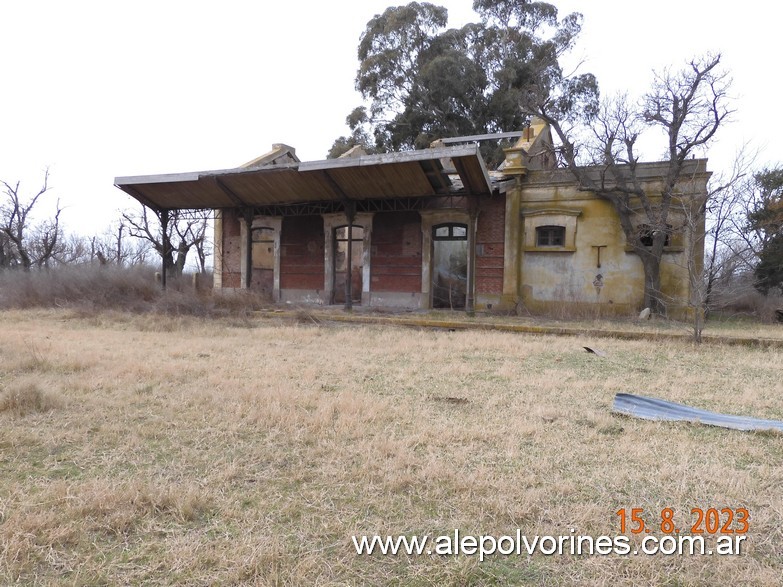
x=406, y=174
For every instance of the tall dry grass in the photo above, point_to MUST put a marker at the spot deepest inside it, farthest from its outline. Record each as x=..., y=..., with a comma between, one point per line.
x=94, y=288
x=25, y=398
x=190, y=451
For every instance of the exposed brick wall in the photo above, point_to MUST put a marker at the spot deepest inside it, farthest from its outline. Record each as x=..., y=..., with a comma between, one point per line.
x=396, y=252
x=263, y=280
x=232, y=249
x=302, y=253
x=490, y=235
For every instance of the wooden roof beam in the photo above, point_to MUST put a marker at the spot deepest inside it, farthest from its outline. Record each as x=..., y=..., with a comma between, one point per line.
x=436, y=175
x=136, y=194
x=486, y=137
x=335, y=186
x=475, y=185
x=229, y=192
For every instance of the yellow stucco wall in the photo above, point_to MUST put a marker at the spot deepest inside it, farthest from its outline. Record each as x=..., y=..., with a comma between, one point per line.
x=564, y=278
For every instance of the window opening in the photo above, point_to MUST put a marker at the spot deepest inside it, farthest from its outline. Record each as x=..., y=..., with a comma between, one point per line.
x=646, y=235
x=550, y=236
x=453, y=232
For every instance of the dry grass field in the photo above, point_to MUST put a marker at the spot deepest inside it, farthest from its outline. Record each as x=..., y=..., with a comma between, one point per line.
x=154, y=450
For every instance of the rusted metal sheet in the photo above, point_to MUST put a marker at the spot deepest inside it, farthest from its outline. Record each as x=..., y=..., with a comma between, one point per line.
x=650, y=408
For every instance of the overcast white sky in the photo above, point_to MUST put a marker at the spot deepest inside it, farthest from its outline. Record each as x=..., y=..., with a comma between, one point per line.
x=98, y=89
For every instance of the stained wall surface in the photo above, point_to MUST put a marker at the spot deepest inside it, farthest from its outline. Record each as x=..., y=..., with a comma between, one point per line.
x=588, y=264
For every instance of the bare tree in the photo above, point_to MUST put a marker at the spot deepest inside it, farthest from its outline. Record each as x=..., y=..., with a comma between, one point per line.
x=137, y=253
x=185, y=229
x=727, y=251
x=113, y=247
x=689, y=106
x=73, y=250
x=7, y=254
x=203, y=245
x=24, y=244
x=703, y=276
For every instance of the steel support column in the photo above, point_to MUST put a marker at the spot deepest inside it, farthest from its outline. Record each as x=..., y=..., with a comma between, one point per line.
x=470, y=294
x=164, y=226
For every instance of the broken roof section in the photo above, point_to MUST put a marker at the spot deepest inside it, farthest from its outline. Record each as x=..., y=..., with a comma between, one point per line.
x=280, y=178
x=279, y=155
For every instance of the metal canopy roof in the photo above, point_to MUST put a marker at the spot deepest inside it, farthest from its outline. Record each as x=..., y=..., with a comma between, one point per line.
x=390, y=175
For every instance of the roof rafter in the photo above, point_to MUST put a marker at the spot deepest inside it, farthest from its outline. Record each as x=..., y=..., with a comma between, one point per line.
x=228, y=191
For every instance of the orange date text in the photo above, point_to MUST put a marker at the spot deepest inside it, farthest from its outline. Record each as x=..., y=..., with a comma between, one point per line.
x=697, y=521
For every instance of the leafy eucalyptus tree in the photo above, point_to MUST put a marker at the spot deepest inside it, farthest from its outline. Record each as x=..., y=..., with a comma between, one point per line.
x=422, y=81
x=765, y=228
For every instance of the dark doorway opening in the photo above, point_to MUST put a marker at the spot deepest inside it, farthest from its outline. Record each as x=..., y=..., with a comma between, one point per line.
x=449, y=265
x=341, y=270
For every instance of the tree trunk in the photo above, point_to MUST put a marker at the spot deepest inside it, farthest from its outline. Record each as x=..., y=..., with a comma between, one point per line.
x=25, y=259
x=168, y=263
x=652, y=282
x=182, y=254
x=708, y=292
x=119, y=246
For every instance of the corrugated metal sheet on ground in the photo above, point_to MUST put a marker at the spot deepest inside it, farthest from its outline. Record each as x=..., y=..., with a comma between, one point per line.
x=650, y=408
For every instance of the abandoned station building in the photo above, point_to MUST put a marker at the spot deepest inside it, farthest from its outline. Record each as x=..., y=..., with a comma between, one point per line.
x=424, y=229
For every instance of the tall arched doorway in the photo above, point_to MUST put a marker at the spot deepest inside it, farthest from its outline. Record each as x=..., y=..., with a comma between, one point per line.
x=341, y=269
x=449, y=265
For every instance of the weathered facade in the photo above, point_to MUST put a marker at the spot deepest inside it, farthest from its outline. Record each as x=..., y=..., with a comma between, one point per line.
x=428, y=229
